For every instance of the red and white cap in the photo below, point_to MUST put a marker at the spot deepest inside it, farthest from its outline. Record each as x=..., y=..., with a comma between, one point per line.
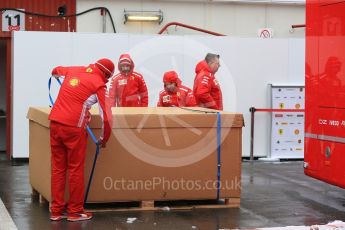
x=106, y=66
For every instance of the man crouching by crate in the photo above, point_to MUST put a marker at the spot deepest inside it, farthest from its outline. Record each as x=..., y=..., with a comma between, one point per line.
x=82, y=87
x=175, y=94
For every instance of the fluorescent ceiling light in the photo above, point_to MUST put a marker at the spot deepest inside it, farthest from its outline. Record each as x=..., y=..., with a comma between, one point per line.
x=143, y=16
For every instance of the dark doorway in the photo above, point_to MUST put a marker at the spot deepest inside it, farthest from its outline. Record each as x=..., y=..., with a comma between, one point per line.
x=3, y=114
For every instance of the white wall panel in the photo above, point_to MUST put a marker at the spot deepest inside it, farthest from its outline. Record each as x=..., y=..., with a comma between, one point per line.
x=247, y=67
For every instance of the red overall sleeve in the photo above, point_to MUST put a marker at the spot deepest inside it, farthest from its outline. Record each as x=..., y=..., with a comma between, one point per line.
x=61, y=71
x=143, y=92
x=190, y=99
x=203, y=92
x=112, y=94
x=107, y=114
x=160, y=100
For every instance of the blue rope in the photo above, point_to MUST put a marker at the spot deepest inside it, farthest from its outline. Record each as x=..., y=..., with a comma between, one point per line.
x=93, y=137
x=219, y=122
x=50, y=96
x=49, y=86
x=91, y=174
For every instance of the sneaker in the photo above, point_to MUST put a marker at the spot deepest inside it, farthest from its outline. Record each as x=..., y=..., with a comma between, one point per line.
x=79, y=216
x=56, y=216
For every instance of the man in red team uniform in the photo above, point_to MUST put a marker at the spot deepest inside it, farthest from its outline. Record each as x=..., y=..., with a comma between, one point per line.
x=81, y=88
x=128, y=88
x=174, y=93
x=206, y=88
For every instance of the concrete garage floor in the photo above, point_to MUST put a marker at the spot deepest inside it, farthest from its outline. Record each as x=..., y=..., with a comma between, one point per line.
x=273, y=195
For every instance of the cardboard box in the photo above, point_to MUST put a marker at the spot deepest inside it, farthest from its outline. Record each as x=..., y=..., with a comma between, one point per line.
x=152, y=154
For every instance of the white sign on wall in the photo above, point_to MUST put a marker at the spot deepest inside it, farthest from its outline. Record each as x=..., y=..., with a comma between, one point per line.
x=287, y=137
x=265, y=33
x=13, y=20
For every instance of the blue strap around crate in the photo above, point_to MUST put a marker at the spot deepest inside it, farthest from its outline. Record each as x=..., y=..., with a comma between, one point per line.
x=91, y=134
x=219, y=127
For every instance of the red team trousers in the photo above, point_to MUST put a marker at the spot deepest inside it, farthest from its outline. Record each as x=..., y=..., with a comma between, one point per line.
x=68, y=148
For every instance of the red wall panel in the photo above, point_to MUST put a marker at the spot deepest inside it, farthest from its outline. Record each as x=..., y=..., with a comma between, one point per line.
x=39, y=23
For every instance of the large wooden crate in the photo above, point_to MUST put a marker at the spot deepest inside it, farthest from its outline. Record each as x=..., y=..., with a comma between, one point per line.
x=153, y=154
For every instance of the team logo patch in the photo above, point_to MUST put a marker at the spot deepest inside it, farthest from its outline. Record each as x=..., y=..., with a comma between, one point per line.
x=89, y=70
x=166, y=98
x=123, y=82
x=74, y=82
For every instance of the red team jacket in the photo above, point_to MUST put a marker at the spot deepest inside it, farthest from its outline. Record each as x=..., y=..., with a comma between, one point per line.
x=128, y=91
x=206, y=89
x=183, y=97
x=82, y=87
